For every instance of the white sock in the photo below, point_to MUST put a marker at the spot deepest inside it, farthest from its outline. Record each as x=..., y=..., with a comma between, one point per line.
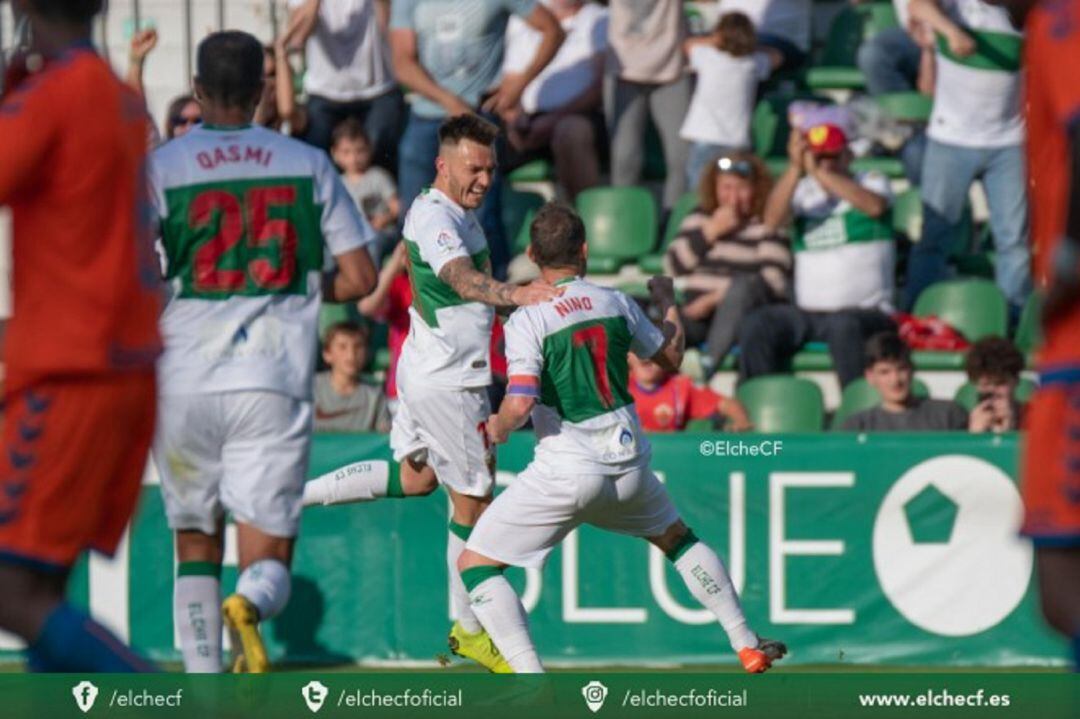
x=708, y=580
x=459, y=595
x=197, y=614
x=497, y=606
x=357, y=482
x=266, y=584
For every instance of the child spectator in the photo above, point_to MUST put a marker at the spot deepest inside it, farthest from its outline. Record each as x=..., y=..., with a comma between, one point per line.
x=373, y=189
x=718, y=121
x=890, y=372
x=993, y=367
x=343, y=403
x=666, y=401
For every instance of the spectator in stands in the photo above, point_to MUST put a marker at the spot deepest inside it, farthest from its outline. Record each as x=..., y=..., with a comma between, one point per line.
x=783, y=29
x=450, y=52
x=560, y=114
x=183, y=113
x=143, y=43
x=343, y=402
x=371, y=187
x=348, y=71
x=890, y=372
x=278, y=108
x=844, y=258
x=993, y=366
x=389, y=302
x=891, y=59
x=667, y=401
x=976, y=132
x=729, y=261
x=726, y=68
x=645, y=77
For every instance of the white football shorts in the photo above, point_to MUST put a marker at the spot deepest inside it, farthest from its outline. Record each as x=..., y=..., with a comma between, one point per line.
x=242, y=452
x=445, y=429
x=541, y=506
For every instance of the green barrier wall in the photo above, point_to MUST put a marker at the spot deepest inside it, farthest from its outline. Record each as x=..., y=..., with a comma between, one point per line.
x=862, y=550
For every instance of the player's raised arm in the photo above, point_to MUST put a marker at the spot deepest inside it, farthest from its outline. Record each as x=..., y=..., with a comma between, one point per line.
x=670, y=354
x=472, y=284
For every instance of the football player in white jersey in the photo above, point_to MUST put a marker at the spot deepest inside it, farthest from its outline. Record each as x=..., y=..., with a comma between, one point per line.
x=246, y=218
x=444, y=370
x=568, y=369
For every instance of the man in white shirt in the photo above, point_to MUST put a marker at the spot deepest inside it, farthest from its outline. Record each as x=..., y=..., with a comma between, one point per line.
x=560, y=111
x=976, y=132
x=844, y=259
x=348, y=71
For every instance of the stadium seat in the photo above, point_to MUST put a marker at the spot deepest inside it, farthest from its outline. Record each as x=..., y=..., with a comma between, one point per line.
x=518, y=210
x=620, y=223
x=782, y=403
x=891, y=167
x=860, y=395
x=653, y=264
x=853, y=24
x=907, y=214
x=532, y=171
x=1029, y=329
x=975, y=307
x=966, y=395
x=906, y=106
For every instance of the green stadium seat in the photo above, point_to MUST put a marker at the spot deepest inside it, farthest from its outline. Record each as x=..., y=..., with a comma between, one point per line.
x=860, y=395
x=518, y=210
x=620, y=223
x=699, y=425
x=853, y=24
x=966, y=396
x=782, y=403
x=532, y=171
x=906, y=106
x=1029, y=330
x=653, y=264
x=907, y=214
x=331, y=313
x=975, y=307
x=889, y=166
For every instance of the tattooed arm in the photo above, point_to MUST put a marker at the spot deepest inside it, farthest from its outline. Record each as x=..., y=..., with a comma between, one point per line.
x=476, y=286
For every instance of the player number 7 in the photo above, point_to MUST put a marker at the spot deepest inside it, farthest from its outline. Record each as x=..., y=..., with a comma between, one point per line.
x=595, y=340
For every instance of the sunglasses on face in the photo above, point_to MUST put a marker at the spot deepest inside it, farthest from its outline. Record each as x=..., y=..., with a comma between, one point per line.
x=181, y=121
x=742, y=168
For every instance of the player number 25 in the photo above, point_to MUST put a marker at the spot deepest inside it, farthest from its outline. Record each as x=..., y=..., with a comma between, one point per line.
x=208, y=275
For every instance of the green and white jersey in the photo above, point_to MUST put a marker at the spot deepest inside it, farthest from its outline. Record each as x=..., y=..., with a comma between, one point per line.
x=449, y=338
x=246, y=217
x=570, y=354
x=843, y=257
x=978, y=99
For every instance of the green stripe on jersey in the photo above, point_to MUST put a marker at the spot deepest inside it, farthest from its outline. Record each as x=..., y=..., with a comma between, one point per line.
x=835, y=230
x=996, y=51
x=428, y=291
x=585, y=373
x=251, y=237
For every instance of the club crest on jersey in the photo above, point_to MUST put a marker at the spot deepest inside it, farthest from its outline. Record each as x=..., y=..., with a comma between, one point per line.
x=445, y=242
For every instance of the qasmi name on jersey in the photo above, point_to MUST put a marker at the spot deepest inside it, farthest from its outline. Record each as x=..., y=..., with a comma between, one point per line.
x=232, y=155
